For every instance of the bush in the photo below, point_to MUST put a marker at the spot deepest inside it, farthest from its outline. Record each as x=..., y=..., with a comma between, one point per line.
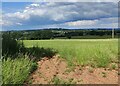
x=10, y=46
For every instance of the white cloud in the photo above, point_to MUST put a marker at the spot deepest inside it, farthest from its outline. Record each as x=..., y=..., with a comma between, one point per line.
x=18, y=23
x=82, y=23
x=6, y=23
x=97, y=23
x=75, y=14
x=104, y=22
x=35, y=5
x=18, y=15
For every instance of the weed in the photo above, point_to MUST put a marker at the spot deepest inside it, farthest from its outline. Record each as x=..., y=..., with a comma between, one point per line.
x=70, y=69
x=104, y=74
x=57, y=81
x=113, y=66
x=30, y=81
x=71, y=79
x=90, y=69
x=80, y=80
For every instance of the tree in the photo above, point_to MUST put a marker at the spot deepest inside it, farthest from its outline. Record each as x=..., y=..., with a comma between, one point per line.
x=68, y=35
x=10, y=46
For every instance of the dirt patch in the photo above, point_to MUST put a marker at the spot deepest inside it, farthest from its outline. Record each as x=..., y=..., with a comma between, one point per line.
x=55, y=70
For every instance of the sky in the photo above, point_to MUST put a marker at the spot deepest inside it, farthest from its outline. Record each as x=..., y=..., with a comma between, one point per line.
x=69, y=15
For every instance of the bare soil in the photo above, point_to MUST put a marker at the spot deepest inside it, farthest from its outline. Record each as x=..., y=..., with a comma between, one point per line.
x=49, y=68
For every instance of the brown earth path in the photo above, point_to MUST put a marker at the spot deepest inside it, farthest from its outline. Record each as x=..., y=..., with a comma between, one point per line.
x=57, y=67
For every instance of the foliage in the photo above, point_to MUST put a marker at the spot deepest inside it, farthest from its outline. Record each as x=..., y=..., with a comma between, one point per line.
x=18, y=61
x=16, y=71
x=68, y=35
x=10, y=46
x=34, y=66
x=41, y=35
x=64, y=33
x=13, y=48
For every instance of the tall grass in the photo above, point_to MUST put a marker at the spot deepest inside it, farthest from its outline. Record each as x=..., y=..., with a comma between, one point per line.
x=16, y=71
x=0, y=72
x=84, y=52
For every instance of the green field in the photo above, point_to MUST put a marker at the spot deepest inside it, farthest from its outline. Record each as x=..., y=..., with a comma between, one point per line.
x=96, y=52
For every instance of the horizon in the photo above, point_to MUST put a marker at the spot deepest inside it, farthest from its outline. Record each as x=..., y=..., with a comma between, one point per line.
x=65, y=29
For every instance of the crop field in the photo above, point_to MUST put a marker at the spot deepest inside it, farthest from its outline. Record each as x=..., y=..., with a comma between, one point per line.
x=95, y=52
x=64, y=61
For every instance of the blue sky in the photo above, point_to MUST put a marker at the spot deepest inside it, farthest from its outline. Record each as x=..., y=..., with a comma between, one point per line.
x=10, y=7
x=30, y=16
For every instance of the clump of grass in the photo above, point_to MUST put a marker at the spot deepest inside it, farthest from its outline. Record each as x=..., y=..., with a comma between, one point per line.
x=80, y=80
x=118, y=73
x=70, y=80
x=56, y=80
x=113, y=66
x=30, y=81
x=104, y=74
x=102, y=59
x=70, y=69
x=16, y=71
x=90, y=69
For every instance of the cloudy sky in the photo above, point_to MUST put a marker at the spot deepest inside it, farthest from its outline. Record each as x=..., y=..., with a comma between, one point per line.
x=24, y=15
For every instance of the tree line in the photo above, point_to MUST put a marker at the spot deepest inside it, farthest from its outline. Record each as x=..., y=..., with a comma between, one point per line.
x=59, y=33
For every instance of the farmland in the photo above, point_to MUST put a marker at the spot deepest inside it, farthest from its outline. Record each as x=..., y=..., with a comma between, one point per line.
x=62, y=61
x=77, y=61
x=96, y=52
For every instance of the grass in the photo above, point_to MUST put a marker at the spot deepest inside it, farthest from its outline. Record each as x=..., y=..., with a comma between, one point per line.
x=16, y=71
x=88, y=37
x=91, y=70
x=91, y=37
x=96, y=52
x=58, y=81
x=0, y=72
x=104, y=74
x=93, y=52
x=114, y=66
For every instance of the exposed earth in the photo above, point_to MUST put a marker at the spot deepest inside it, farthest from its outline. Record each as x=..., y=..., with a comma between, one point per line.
x=56, y=71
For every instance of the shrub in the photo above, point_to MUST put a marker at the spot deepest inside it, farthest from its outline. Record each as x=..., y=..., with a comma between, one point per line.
x=10, y=46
